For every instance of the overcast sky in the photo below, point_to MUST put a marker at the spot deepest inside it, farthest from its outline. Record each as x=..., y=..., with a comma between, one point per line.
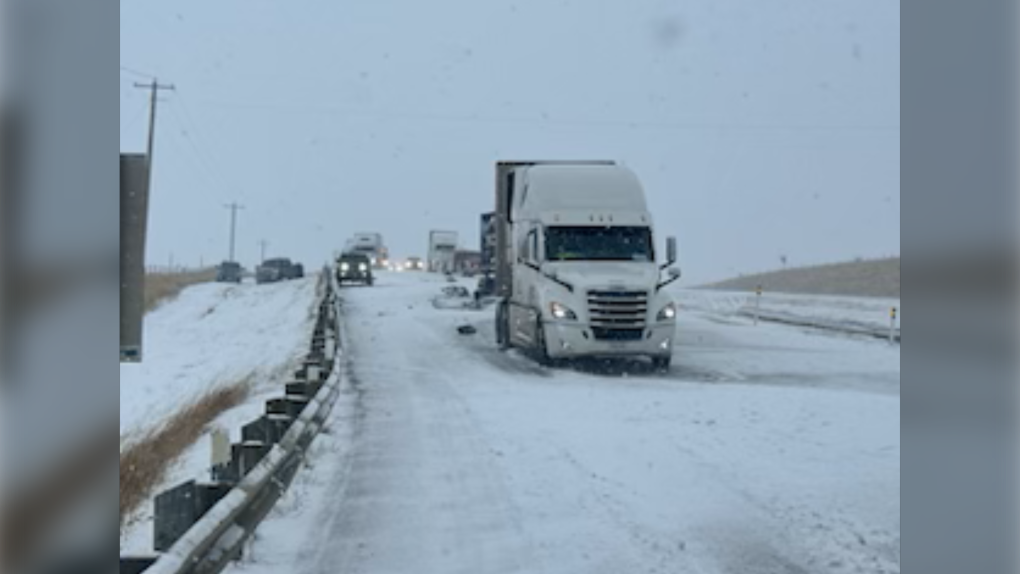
x=759, y=128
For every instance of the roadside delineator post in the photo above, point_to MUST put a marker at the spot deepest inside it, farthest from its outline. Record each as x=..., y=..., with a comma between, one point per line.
x=892, y=325
x=220, y=453
x=757, y=305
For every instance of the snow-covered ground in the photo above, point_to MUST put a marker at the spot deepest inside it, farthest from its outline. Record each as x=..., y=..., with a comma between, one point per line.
x=864, y=313
x=213, y=334
x=210, y=336
x=766, y=450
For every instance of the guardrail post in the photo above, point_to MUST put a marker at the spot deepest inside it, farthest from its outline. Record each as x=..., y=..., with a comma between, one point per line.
x=303, y=389
x=757, y=305
x=268, y=429
x=181, y=507
x=290, y=406
x=135, y=564
x=892, y=325
x=249, y=454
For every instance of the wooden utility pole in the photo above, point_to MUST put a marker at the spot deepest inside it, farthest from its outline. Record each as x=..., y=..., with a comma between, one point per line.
x=233, y=207
x=154, y=89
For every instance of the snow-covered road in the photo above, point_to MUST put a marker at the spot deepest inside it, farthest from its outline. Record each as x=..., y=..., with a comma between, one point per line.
x=767, y=450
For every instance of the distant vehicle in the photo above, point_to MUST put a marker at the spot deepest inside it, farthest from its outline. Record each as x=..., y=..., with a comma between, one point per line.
x=229, y=272
x=370, y=245
x=354, y=268
x=486, y=287
x=442, y=251
x=466, y=262
x=414, y=264
x=277, y=269
x=487, y=263
x=575, y=264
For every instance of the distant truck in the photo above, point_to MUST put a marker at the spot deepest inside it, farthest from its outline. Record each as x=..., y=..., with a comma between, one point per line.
x=370, y=245
x=229, y=272
x=466, y=262
x=278, y=269
x=576, y=269
x=442, y=250
x=354, y=268
x=414, y=264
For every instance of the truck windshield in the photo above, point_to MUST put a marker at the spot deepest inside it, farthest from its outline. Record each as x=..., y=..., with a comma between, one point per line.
x=599, y=244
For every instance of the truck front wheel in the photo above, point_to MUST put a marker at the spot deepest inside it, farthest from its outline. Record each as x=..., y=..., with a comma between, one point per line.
x=541, y=345
x=502, y=326
x=662, y=364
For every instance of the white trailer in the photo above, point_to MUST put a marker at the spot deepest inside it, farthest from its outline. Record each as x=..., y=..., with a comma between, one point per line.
x=371, y=245
x=442, y=251
x=576, y=267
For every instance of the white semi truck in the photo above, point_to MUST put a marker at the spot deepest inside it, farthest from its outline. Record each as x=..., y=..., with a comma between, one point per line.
x=442, y=251
x=576, y=267
x=370, y=245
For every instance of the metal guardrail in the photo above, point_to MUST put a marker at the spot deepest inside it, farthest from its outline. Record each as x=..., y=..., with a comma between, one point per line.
x=861, y=330
x=217, y=538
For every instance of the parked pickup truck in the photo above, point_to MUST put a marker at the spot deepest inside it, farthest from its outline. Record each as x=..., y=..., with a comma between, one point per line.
x=278, y=269
x=229, y=272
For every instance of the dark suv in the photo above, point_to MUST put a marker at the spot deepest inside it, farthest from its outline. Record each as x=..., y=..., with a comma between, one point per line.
x=354, y=268
x=273, y=270
x=229, y=272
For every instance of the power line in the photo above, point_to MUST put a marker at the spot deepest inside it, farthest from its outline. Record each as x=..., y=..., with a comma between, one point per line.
x=201, y=160
x=202, y=143
x=137, y=73
x=134, y=118
x=567, y=122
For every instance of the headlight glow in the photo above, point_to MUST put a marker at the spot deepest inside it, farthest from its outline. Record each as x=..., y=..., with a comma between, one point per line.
x=668, y=313
x=363, y=267
x=345, y=267
x=561, y=311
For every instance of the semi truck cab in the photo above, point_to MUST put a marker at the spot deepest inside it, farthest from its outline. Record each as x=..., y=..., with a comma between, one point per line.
x=577, y=267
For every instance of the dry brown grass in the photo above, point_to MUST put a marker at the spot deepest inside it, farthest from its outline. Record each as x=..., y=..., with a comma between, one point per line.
x=160, y=287
x=871, y=278
x=144, y=464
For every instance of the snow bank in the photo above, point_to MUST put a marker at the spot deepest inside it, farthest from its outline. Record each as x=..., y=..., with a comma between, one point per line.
x=837, y=312
x=212, y=335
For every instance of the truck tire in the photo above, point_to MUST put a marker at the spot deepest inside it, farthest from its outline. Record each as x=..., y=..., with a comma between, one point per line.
x=662, y=364
x=502, y=326
x=541, y=345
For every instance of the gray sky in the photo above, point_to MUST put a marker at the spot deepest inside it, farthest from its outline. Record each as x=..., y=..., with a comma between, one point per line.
x=760, y=128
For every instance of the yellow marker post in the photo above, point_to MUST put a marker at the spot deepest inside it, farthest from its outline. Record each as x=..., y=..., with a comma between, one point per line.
x=892, y=325
x=757, y=305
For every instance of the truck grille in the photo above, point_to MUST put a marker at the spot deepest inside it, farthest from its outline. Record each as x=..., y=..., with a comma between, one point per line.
x=618, y=315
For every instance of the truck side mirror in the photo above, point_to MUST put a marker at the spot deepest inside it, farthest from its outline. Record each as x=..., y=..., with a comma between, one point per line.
x=671, y=250
x=674, y=273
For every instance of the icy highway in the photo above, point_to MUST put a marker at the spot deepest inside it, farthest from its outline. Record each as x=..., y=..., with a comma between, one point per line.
x=767, y=449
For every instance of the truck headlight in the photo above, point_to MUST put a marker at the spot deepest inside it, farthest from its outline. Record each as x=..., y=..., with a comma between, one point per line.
x=363, y=267
x=668, y=313
x=345, y=267
x=561, y=311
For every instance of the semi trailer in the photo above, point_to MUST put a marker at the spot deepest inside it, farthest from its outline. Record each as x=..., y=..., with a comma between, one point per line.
x=442, y=251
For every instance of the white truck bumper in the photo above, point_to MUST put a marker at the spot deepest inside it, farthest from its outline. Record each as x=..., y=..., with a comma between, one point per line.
x=575, y=340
